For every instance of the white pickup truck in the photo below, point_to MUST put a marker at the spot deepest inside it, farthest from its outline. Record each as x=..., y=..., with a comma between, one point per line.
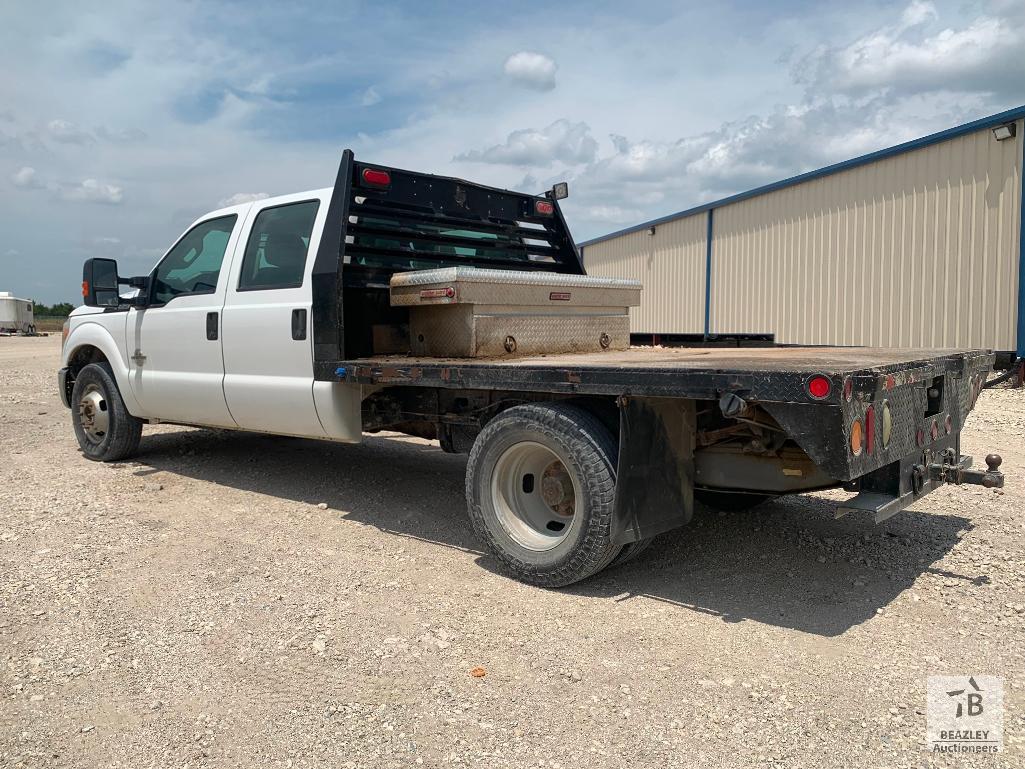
x=279, y=316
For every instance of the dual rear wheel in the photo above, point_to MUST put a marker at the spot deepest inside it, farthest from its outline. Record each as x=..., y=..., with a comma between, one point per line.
x=540, y=488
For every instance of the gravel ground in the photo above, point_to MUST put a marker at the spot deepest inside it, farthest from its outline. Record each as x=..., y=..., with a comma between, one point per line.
x=242, y=600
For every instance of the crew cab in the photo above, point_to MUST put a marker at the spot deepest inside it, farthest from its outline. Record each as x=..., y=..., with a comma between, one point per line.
x=280, y=316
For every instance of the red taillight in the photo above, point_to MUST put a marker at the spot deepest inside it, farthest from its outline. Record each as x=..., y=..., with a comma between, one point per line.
x=819, y=387
x=870, y=429
x=376, y=177
x=544, y=207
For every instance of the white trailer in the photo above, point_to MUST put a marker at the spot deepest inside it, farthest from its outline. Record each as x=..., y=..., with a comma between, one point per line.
x=16, y=315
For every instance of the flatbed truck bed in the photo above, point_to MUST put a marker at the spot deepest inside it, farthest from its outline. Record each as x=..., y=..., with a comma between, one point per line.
x=691, y=372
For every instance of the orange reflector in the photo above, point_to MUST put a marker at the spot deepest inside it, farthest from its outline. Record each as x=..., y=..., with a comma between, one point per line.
x=857, y=437
x=85, y=289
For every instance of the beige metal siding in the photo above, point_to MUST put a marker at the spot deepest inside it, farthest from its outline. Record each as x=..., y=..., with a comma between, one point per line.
x=918, y=249
x=670, y=265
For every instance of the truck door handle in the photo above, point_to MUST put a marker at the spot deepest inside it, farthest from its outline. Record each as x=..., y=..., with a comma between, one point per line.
x=211, y=326
x=299, y=325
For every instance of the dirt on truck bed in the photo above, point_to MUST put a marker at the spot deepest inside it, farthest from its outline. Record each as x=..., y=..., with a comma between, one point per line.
x=236, y=600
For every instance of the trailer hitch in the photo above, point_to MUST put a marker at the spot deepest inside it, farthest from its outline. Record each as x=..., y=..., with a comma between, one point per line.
x=955, y=469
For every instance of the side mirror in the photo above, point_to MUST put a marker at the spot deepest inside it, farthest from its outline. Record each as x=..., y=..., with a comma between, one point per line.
x=99, y=283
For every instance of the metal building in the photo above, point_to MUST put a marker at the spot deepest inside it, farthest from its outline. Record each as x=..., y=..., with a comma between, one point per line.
x=918, y=245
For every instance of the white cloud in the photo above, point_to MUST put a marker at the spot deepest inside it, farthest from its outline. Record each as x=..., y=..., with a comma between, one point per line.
x=902, y=58
x=91, y=191
x=67, y=132
x=241, y=197
x=370, y=97
x=642, y=179
x=561, y=141
x=532, y=70
x=918, y=12
x=26, y=178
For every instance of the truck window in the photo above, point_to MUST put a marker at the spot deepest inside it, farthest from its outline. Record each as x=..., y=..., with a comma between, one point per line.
x=276, y=252
x=193, y=264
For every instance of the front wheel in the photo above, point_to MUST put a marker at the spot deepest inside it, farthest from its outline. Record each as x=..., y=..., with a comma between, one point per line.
x=105, y=430
x=540, y=485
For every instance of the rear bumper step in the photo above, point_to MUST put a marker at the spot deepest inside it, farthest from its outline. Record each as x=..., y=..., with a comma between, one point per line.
x=925, y=478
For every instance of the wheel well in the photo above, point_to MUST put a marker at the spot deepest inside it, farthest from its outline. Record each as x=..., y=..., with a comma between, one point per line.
x=78, y=360
x=85, y=355
x=455, y=417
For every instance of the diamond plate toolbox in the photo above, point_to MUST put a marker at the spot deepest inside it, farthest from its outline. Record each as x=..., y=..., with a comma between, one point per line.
x=466, y=312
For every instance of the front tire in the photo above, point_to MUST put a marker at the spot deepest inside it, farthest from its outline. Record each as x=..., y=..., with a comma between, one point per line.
x=105, y=430
x=540, y=486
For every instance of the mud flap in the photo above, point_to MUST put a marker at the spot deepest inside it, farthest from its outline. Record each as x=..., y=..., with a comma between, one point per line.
x=655, y=476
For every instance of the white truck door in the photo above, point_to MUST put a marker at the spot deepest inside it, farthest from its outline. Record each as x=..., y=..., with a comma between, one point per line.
x=173, y=344
x=268, y=344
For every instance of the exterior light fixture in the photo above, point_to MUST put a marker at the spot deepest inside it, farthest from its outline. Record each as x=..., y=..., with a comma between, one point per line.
x=1005, y=131
x=560, y=190
x=651, y=230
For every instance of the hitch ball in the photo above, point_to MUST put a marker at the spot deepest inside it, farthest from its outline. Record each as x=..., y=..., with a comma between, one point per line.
x=993, y=462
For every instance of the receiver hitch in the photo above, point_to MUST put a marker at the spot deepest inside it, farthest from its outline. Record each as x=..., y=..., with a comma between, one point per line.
x=954, y=469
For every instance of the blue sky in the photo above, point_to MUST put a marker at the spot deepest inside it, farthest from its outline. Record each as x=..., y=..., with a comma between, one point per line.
x=120, y=124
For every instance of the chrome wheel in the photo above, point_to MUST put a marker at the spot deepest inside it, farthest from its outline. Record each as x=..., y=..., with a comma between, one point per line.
x=93, y=414
x=534, y=495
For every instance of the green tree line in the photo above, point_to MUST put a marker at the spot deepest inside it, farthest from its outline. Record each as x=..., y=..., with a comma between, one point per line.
x=59, y=310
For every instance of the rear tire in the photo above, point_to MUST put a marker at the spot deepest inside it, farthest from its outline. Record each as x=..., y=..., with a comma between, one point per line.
x=631, y=550
x=105, y=430
x=540, y=486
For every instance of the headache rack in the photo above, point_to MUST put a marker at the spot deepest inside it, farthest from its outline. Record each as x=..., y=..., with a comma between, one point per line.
x=384, y=220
